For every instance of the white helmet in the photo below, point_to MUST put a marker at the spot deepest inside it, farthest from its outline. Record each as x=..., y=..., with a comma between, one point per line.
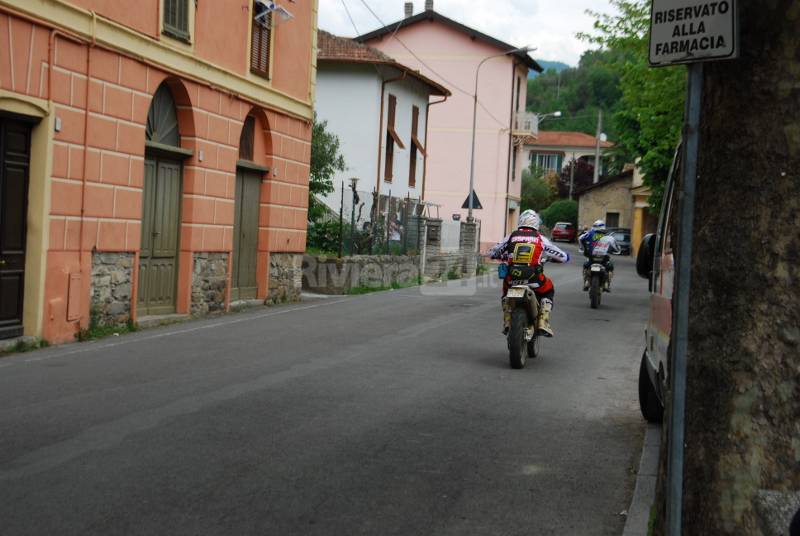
x=599, y=225
x=529, y=218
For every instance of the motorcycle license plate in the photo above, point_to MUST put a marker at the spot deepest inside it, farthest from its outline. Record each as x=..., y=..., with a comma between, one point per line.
x=516, y=293
x=596, y=268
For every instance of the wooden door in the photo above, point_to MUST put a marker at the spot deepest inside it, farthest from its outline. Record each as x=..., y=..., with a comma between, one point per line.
x=245, y=235
x=14, y=161
x=158, y=260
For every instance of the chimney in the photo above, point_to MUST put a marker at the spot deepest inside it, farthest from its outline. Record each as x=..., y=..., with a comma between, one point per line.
x=409, y=9
x=428, y=5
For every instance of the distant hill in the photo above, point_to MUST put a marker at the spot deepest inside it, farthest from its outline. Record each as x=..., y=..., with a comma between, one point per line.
x=547, y=65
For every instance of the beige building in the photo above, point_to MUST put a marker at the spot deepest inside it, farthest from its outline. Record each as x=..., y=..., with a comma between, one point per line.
x=609, y=200
x=622, y=201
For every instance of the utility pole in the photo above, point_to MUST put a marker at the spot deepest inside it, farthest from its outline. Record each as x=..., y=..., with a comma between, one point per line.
x=572, y=175
x=596, y=176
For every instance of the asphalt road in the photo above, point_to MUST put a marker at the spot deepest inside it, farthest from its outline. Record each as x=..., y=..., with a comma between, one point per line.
x=390, y=413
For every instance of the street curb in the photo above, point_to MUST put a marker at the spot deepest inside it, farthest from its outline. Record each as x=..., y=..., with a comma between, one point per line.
x=645, y=492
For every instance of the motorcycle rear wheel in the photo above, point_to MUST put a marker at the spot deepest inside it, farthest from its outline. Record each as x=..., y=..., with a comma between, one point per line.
x=517, y=345
x=595, y=291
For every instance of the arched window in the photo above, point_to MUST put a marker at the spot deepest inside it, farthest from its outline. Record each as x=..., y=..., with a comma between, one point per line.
x=162, y=119
x=247, y=139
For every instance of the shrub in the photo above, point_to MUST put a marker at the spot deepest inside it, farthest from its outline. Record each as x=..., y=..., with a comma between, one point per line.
x=563, y=210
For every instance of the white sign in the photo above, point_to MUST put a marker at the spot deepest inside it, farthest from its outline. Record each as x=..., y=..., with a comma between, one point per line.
x=687, y=31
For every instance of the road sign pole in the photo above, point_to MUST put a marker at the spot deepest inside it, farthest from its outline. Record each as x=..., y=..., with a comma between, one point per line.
x=680, y=317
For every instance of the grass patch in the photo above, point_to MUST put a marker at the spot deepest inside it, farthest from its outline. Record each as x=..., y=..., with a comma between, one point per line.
x=94, y=331
x=484, y=268
x=453, y=274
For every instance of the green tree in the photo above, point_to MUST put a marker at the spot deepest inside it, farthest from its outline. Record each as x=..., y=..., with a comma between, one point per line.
x=326, y=160
x=648, y=120
x=536, y=192
x=563, y=210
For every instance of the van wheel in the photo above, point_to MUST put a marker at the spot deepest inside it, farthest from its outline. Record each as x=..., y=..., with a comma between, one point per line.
x=650, y=405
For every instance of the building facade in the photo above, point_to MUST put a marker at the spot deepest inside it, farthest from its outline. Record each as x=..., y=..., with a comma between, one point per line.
x=450, y=53
x=609, y=200
x=156, y=159
x=554, y=150
x=385, y=147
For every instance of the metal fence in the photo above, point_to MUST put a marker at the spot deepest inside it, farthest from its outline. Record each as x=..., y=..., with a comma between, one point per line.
x=374, y=224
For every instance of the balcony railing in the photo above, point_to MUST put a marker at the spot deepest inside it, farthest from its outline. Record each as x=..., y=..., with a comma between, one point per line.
x=526, y=124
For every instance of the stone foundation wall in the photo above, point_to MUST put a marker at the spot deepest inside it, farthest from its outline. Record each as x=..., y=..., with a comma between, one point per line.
x=330, y=275
x=285, y=277
x=450, y=266
x=112, y=277
x=209, y=281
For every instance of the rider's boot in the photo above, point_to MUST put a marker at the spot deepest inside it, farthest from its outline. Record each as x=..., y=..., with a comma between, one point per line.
x=585, y=279
x=607, y=285
x=544, y=327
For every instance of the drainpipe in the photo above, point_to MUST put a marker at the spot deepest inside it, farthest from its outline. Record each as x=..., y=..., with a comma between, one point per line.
x=425, y=161
x=89, y=47
x=510, y=146
x=380, y=131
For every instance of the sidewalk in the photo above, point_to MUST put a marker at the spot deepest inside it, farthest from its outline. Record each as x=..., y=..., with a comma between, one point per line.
x=645, y=491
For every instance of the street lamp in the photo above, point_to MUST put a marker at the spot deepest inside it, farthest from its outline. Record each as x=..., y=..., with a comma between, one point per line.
x=542, y=117
x=470, y=197
x=353, y=183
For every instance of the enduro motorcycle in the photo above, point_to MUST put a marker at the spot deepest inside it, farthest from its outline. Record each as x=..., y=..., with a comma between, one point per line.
x=597, y=273
x=521, y=312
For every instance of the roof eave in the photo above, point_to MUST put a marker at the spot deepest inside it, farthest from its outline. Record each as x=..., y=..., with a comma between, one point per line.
x=433, y=15
x=437, y=89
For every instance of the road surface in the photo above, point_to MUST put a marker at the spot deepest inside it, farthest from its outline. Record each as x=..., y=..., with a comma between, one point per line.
x=393, y=413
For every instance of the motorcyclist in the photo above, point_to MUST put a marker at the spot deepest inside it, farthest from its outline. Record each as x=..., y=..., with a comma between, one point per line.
x=597, y=239
x=528, y=233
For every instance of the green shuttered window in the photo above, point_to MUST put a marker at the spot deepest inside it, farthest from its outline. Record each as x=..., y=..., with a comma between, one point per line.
x=176, y=18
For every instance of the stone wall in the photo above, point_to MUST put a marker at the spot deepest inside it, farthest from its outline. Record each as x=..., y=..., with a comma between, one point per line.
x=285, y=277
x=450, y=266
x=112, y=275
x=330, y=275
x=209, y=281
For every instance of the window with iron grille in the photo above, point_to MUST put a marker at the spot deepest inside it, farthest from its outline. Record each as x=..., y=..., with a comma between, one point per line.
x=176, y=18
x=260, y=45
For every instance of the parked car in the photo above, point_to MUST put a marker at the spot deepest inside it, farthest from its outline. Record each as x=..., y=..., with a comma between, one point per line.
x=655, y=263
x=623, y=238
x=564, y=231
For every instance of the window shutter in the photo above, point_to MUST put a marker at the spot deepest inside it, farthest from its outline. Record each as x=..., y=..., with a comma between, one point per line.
x=412, y=165
x=388, y=172
x=260, y=46
x=176, y=18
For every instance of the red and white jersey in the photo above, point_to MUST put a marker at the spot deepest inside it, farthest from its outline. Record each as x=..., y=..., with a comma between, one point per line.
x=543, y=251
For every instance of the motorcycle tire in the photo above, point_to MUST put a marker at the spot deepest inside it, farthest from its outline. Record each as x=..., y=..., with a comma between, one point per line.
x=595, y=291
x=517, y=345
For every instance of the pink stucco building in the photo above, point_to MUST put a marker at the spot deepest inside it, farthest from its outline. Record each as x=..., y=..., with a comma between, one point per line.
x=449, y=53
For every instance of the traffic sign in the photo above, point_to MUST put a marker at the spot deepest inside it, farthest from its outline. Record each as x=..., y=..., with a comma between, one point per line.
x=689, y=31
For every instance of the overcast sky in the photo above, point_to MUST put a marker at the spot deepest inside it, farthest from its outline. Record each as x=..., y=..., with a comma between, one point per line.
x=548, y=25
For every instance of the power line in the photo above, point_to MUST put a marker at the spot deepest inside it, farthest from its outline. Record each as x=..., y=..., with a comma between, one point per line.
x=349, y=16
x=394, y=35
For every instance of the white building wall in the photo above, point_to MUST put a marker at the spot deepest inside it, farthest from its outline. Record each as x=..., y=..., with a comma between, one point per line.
x=348, y=98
